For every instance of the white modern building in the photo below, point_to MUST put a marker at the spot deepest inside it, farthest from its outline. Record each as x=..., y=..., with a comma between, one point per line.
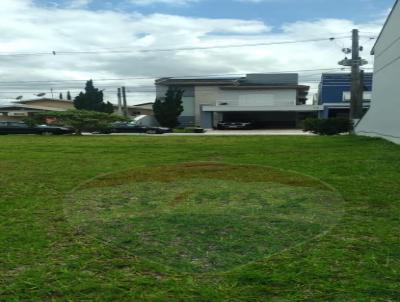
x=383, y=118
x=266, y=100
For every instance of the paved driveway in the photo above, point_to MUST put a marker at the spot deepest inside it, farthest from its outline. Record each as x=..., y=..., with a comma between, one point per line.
x=257, y=132
x=290, y=132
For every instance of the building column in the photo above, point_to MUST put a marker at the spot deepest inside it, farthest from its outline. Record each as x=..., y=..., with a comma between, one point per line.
x=324, y=114
x=206, y=119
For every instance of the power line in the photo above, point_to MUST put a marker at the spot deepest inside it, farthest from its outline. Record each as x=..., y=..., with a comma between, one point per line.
x=155, y=76
x=150, y=89
x=135, y=88
x=104, y=51
x=309, y=79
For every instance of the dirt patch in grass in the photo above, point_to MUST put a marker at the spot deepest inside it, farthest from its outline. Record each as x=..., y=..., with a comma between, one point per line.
x=204, y=217
x=242, y=173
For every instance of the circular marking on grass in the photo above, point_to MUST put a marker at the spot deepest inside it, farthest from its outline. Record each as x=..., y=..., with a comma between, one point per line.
x=204, y=217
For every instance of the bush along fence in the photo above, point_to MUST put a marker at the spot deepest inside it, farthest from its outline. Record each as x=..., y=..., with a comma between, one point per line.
x=331, y=126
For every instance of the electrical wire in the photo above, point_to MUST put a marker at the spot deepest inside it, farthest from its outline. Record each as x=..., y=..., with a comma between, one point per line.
x=104, y=51
x=211, y=76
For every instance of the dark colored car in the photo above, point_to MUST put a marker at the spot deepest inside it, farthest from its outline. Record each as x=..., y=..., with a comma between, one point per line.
x=235, y=126
x=22, y=128
x=134, y=128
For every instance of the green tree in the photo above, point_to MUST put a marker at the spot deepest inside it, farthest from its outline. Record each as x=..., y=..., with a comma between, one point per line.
x=69, y=98
x=79, y=120
x=168, y=109
x=93, y=100
x=61, y=96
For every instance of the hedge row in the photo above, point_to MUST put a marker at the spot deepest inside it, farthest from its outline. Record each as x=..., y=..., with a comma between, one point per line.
x=331, y=126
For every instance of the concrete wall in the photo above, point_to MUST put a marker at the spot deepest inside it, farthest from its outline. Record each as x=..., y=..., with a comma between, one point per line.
x=206, y=95
x=383, y=119
x=265, y=97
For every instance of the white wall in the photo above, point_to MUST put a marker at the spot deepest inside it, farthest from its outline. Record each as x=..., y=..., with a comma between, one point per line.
x=367, y=96
x=383, y=119
x=205, y=95
x=265, y=97
x=212, y=95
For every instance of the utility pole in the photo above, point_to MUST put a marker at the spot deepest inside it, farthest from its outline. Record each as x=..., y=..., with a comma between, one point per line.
x=360, y=108
x=126, y=113
x=355, y=77
x=357, y=87
x=119, y=102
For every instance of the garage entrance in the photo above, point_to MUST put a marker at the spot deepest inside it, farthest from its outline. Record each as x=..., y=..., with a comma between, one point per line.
x=268, y=120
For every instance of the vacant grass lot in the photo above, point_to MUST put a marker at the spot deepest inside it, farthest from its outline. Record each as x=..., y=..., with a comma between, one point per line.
x=45, y=255
x=204, y=217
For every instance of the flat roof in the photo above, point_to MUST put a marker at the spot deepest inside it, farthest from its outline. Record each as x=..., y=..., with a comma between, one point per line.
x=206, y=78
x=22, y=106
x=143, y=104
x=41, y=100
x=252, y=79
x=197, y=81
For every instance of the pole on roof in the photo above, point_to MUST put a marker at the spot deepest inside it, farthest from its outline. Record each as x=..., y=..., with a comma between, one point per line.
x=126, y=113
x=120, y=102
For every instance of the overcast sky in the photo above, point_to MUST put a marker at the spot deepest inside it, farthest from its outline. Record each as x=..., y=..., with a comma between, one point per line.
x=33, y=27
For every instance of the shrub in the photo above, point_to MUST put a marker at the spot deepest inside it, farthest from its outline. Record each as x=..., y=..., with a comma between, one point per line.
x=331, y=126
x=189, y=130
x=79, y=120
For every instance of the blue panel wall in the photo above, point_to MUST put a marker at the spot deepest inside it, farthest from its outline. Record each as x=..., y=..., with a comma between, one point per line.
x=186, y=121
x=334, y=84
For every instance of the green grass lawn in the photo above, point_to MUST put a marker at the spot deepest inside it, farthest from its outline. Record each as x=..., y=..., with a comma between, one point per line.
x=204, y=217
x=249, y=219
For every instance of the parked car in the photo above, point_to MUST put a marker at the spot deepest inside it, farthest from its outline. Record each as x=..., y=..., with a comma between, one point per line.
x=135, y=128
x=22, y=128
x=234, y=126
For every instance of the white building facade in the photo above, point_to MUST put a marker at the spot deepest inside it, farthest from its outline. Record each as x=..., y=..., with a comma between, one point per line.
x=383, y=118
x=266, y=100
